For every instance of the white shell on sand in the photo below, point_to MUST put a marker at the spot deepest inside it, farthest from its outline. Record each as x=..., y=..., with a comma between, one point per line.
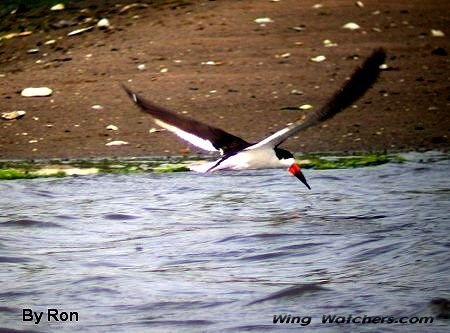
x=329, y=43
x=131, y=6
x=59, y=6
x=80, y=31
x=319, y=58
x=305, y=107
x=36, y=92
x=116, y=143
x=13, y=115
x=212, y=63
x=103, y=24
x=437, y=33
x=351, y=26
x=16, y=34
x=112, y=128
x=154, y=130
x=263, y=20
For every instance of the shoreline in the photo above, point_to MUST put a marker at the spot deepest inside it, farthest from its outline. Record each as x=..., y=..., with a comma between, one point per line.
x=28, y=169
x=213, y=156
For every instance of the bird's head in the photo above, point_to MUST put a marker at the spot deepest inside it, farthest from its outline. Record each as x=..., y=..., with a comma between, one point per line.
x=287, y=158
x=294, y=169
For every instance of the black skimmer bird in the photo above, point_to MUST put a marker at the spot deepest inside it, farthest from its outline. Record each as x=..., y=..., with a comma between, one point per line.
x=238, y=154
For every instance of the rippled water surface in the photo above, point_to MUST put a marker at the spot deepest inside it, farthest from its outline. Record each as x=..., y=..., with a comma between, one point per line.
x=185, y=252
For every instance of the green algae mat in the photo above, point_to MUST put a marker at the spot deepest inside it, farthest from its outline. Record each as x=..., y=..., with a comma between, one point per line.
x=62, y=168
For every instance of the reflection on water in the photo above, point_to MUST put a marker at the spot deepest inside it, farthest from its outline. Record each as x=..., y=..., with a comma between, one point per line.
x=226, y=252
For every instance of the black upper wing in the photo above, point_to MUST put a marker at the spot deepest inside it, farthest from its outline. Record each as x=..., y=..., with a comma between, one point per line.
x=360, y=81
x=189, y=129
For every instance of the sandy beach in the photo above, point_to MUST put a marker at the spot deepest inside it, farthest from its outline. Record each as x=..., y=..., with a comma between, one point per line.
x=249, y=67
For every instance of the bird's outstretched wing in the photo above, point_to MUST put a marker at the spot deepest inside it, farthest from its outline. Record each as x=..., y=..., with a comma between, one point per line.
x=360, y=81
x=197, y=133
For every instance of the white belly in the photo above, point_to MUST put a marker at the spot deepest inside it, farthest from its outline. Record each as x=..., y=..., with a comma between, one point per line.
x=262, y=158
x=252, y=159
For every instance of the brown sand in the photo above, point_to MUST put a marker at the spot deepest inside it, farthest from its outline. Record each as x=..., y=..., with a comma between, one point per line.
x=261, y=72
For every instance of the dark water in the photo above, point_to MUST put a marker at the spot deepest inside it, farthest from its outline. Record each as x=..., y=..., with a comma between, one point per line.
x=185, y=252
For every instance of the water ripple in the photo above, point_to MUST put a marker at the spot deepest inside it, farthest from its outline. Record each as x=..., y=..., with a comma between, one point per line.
x=292, y=292
x=26, y=223
x=264, y=256
x=14, y=259
x=119, y=216
x=225, y=252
